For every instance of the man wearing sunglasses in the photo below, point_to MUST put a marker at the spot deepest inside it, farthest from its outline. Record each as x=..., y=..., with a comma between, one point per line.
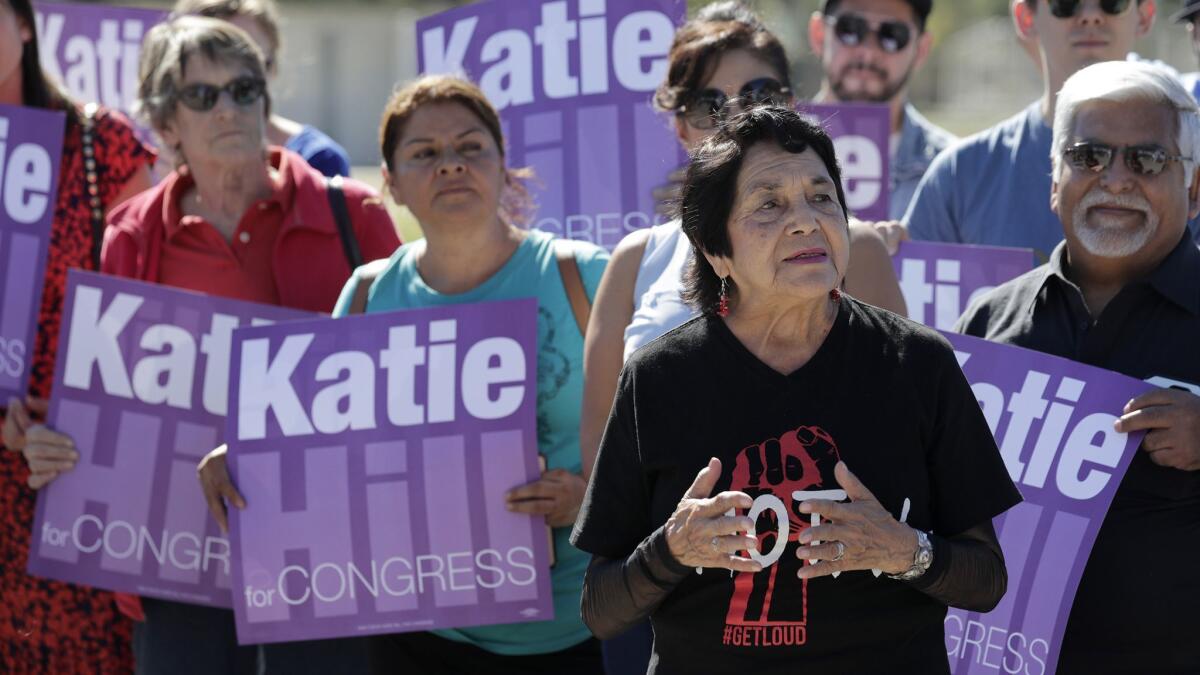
x=1122, y=292
x=869, y=49
x=994, y=187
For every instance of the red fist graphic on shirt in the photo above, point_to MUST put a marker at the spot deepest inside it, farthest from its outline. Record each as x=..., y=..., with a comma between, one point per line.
x=770, y=472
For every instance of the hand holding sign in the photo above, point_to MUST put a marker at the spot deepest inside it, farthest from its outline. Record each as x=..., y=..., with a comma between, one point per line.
x=18, y=419
x=700, y=534
x=218, y=487
x=869, y=537
x=47, y=452
x=893, y=232
x=1172, y=420
x=556, y=495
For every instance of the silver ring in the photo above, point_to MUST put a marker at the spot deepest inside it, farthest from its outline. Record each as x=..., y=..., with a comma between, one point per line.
x=841, y=551
x=715, y=541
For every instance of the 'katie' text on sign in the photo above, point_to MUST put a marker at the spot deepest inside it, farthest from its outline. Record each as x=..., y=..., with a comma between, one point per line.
x=374, y=453
x=142, y=381
x=30, y=149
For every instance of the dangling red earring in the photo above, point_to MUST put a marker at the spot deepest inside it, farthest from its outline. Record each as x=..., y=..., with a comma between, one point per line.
x=723, y=302
x=835, y=295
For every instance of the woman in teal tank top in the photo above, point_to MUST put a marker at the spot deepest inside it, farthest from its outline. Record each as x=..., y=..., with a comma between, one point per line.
x=443, y=153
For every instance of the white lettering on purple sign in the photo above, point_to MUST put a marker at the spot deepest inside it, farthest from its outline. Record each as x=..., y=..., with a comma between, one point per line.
x=493, y=365
x=102, y=69
x=27, y=176
x=943, y=295
x=397, y=577
x=163, y=377
x=1091, y=443
x=640, y=42
x=995, y=647
x=862, y=170
x=120, y=540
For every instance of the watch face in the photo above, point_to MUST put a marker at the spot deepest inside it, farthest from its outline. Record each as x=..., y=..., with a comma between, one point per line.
x=924, y=556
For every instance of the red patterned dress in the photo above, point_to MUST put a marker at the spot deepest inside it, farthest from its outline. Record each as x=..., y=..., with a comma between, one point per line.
x=46, y=626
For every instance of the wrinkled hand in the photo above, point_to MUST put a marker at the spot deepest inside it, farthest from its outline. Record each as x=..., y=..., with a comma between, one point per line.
x=557, y=495
x=1171, y=418
x=871, y=537
x=218, y=487
x=699, y=534
x=893, y=232
x=666, y=197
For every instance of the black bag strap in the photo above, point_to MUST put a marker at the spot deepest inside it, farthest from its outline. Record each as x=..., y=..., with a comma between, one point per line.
x=87, y=132
x=341, y=215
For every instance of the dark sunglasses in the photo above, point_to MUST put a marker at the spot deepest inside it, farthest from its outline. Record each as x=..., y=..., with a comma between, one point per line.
x=1065, y=9
x=852, y=30
x=1144, y=160
x=203, y=97
x=708, y=107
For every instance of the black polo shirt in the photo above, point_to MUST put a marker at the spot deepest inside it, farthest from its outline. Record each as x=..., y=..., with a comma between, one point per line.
x=1138, y=605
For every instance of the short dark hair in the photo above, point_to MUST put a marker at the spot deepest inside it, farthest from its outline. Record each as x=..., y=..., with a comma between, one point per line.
x=921, y=10
x=700, y=43
x=710, y=188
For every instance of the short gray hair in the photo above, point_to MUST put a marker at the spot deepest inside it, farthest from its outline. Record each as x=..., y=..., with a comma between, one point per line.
x=1121, y=81
x=165, y=53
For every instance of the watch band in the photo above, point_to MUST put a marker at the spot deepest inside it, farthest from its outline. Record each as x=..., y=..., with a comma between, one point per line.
x=922, y=559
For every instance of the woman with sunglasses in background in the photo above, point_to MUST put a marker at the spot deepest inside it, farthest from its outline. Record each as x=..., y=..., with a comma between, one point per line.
x=260, y=20
x=720, y=63
x=241, y=220
x=47, y=626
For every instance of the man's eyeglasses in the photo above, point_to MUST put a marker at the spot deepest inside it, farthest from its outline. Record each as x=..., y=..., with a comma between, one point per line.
x=1065, y=9
x=708, y=107
x=1144, y=160
x=852, y=30
x=203, y=97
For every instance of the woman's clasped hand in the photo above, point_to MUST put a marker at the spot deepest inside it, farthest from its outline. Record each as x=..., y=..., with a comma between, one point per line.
x=701, y=533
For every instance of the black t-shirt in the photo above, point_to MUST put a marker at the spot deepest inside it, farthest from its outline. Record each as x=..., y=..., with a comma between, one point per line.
x=1137, y=609
x=883, y=394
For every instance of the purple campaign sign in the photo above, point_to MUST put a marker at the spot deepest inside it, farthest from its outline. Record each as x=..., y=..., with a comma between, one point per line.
x=573, y=81
x=30, y=149
x=860, y=134
x=940, y=280
x=141, y=385
x=93, y=49
x=374, y=453
x=1053, y=420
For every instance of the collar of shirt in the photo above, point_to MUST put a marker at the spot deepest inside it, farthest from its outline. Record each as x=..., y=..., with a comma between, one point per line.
x=179, y=182
x=1174, y=278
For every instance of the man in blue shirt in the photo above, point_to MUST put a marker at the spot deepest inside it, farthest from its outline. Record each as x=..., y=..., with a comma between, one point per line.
x=993, y=188
x=1189, y=14
x=869, y=50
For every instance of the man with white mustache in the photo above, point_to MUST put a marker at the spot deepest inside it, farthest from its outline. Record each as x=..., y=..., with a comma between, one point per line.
x=869, y=51
x=1122, y=292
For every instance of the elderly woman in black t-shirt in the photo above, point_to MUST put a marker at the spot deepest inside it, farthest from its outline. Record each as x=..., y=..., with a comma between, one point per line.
x=794, y=479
